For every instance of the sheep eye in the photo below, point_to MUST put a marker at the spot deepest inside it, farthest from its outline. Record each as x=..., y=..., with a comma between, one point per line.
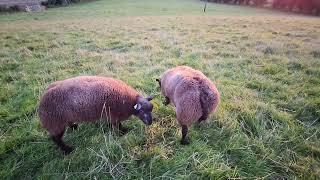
x=137, y=106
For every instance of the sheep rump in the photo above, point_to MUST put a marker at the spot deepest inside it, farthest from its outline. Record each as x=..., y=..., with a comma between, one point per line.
x=191, y=92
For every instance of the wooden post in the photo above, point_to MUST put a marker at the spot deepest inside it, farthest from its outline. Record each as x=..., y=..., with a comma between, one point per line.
x=205, y=6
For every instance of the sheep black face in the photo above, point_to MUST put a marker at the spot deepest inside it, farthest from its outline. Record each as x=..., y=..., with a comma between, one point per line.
x=143, y=110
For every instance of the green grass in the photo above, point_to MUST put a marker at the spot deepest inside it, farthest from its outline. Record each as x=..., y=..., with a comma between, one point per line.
x=265, y=64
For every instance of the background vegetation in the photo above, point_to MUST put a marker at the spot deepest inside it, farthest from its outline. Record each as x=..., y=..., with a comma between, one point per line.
x=301, y=6
x=266, y=65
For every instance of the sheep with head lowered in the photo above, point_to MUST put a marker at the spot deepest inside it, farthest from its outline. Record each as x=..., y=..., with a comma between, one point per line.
x=87, y=99
x=192, y=93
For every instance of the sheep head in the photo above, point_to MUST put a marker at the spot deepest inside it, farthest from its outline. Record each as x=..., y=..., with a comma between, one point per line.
x=143, y=109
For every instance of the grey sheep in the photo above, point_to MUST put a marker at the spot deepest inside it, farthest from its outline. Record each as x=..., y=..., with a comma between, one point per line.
x=192, y=93
x=87, y=99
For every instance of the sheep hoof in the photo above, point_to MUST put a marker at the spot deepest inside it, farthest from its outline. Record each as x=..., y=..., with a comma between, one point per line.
x=67, y=150
x=123, y=131
x=167, y=101
x=184, y=141
x=73, y=127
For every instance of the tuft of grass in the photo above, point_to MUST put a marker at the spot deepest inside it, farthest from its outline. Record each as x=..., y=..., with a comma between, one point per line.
x=265, y=65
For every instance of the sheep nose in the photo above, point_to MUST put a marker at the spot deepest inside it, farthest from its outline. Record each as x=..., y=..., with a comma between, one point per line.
x=149, y=120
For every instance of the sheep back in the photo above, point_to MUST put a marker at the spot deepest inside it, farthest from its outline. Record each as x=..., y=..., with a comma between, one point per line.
x=85, y=99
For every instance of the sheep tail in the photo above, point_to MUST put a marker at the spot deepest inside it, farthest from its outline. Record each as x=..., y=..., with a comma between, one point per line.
x=207, y=98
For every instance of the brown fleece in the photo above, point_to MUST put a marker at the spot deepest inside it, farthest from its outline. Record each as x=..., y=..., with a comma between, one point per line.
x=85, y=99
x=193, y=94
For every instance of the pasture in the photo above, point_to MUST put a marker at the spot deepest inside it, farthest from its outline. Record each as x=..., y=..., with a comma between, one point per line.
x=266, y=65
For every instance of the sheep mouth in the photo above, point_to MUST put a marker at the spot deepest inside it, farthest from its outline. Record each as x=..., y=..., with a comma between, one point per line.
x=146, y=118
x=147, y=122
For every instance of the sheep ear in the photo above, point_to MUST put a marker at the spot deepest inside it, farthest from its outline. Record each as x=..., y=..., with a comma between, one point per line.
x=159, y=81
x=149, y=98
x=137, y=107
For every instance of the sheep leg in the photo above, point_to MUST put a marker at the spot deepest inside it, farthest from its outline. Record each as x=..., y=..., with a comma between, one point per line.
x=118, y=126
x=185, y=139
x=167, y=101
x=203, y=118
x=122, y=129
x=57, y=139
x=73, y=126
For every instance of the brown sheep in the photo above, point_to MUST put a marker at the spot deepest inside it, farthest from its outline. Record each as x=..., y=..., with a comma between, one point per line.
x=192, y=93
x=87, y=99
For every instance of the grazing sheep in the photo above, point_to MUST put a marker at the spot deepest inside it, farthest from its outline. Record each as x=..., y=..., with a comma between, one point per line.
x=87, y=99
x=192, y=93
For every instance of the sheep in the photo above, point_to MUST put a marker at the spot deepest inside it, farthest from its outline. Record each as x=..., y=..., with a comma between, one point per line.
x=88, y=99
x=192, y=93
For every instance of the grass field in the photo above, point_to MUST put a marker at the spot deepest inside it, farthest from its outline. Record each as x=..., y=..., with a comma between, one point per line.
x=266, y=65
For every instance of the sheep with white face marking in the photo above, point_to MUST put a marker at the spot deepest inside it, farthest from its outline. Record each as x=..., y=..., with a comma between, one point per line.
x=192, y=93
x=87, y=99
